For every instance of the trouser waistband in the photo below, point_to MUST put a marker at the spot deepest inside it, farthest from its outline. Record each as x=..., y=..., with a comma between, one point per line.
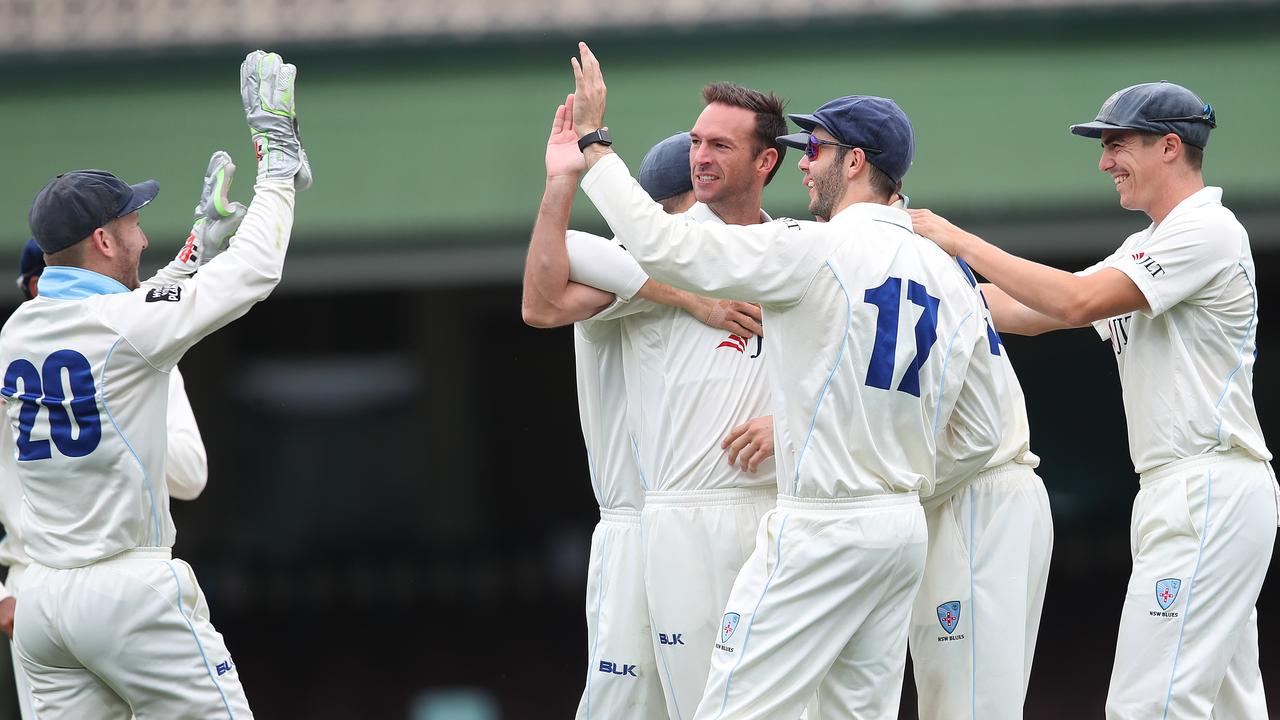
x=860, y=502
x=625, y=516
x=699, y=498
x=1162, y=472
x=1011, y=470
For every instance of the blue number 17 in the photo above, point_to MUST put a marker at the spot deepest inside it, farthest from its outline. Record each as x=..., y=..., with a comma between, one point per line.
x=888, y=298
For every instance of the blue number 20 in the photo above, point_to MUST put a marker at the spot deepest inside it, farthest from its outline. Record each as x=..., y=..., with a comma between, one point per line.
x=50, y=393
x=887, y=298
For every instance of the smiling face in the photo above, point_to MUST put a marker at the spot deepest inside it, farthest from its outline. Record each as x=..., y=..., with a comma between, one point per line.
x=723, y=157
x=1137, y=166
x=824, y=176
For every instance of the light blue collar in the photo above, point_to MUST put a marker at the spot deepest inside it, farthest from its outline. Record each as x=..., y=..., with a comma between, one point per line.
x=61, y=282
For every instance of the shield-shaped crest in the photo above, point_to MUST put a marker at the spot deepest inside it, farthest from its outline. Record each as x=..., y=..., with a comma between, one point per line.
x=949, y=615
x=1167, y=591
x=728, y=626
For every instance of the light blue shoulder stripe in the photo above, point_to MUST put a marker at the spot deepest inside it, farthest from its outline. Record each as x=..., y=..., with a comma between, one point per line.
x=1253, y=315
x=146, y=479
x=942, y=383
x=844, y=344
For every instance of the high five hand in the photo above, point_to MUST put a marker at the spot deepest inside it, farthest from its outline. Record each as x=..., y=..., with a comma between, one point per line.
x=589, y=92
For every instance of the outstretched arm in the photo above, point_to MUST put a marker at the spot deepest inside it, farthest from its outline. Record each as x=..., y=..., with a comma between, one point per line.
x=549, y=298
x=1065, y=299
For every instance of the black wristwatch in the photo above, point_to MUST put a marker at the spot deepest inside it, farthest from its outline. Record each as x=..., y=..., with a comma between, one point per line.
x=601, y=136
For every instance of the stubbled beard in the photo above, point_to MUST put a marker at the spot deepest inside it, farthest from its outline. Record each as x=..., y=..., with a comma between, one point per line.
x=829, y=188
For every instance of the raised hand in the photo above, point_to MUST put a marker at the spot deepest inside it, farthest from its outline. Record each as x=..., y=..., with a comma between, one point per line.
x=564, y=159
x=267, y=90
x=589, y=92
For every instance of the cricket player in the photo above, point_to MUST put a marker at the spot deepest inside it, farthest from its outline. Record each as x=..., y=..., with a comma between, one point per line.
x=622, y=675
x=873, y=333
x=977, y=614
x=186, y=467
x=1178, y=303
x=110, y=624
x=688, y=386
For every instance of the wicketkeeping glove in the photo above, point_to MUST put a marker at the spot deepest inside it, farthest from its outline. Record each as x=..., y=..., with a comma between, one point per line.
x=216, y=219
x=266, y=87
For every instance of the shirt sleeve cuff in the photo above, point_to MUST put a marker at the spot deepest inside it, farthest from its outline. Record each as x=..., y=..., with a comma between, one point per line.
x=600, y=170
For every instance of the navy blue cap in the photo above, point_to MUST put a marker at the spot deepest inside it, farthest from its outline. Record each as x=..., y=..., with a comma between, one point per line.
x=875, y=124
x=1158, y=107
x=74, y=204
x=664, y=171
x=30, y=264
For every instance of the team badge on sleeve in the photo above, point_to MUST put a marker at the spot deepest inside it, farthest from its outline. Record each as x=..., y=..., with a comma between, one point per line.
x=168, y=293
x=1167, y=591
x=729, y=625
x=949, y=615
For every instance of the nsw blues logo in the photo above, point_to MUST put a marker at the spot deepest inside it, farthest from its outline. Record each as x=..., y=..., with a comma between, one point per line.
x=1167, y=591
x=949, y=615
x=729, y=625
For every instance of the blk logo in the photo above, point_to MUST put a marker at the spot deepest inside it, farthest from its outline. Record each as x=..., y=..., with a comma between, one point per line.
x=611, y=668
x=224, y=667
x=672, y=639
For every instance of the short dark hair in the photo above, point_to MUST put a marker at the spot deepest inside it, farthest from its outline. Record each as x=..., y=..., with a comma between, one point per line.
x=1194, y=155
x=881, y=183
x=770, y=122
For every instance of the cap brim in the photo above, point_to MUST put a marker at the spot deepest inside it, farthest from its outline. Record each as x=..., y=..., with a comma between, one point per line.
x=143, y=193
x=800, y=141
x=1094, y=129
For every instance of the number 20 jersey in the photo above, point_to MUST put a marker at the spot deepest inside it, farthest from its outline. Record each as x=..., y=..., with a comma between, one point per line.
x=86, y=375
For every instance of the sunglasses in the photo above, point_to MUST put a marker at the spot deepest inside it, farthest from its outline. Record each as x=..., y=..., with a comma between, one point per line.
x=815, y=144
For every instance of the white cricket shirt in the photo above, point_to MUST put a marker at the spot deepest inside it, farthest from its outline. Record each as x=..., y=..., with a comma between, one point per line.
x=602, y=399
x=86, y=379
x=186, y=471
x=871, y=331
x=688, y=385
x=1186, y=367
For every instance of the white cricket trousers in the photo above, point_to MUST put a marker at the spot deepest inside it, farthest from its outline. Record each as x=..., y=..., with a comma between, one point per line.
x=622, y=673
x=1201, y=539
x=819, y=614
x=695, y=541
x=129, y=635
x=976, y=616
x=14, y=584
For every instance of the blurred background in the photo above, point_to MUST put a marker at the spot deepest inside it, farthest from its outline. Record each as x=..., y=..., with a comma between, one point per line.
x=398, y=512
